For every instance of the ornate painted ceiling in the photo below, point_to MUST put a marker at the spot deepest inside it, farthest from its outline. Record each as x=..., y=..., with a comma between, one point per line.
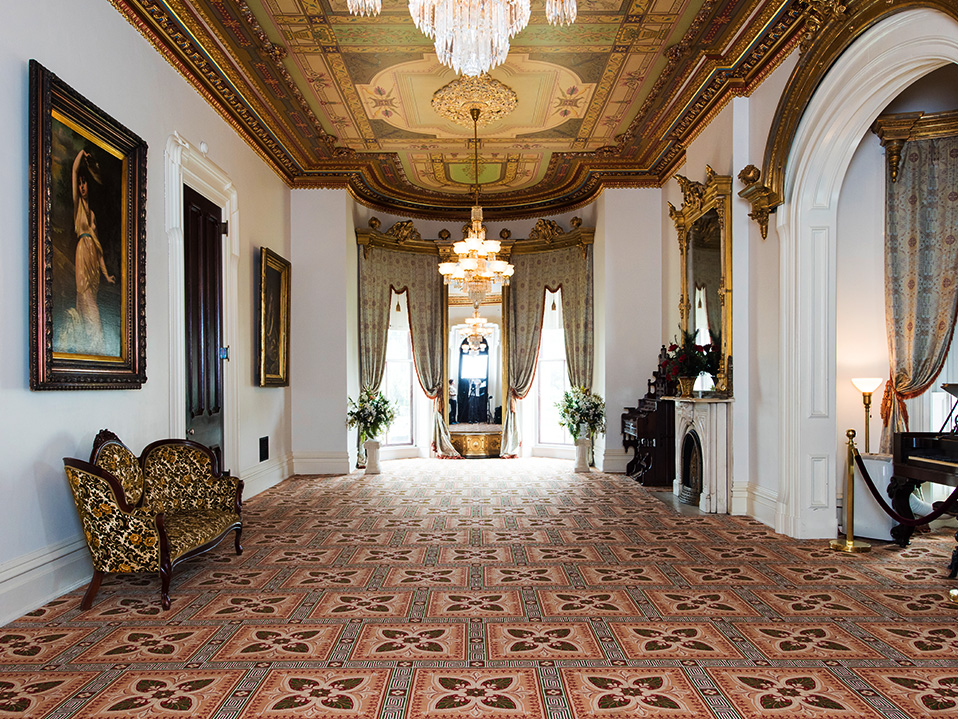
x=333, y=100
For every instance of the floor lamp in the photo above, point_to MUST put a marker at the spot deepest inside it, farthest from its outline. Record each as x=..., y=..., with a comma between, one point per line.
x=867, y=385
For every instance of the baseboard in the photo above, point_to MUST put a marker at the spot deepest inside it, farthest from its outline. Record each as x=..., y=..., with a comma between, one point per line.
x=763, y=505
x=321, y=463
x=264, y=475
x=544, y=450
x=614, y=461
x=30, y=581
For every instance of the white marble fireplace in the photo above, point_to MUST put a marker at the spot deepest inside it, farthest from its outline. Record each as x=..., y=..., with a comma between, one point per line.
x=703, y=449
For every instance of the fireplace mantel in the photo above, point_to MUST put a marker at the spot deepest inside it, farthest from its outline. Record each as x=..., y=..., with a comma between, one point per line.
x=708, y=418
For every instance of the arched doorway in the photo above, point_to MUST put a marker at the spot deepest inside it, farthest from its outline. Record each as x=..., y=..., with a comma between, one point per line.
x=884, y=61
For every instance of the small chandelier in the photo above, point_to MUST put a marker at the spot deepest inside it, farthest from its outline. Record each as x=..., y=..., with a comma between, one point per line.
x=477, y=330
x=477, y=269
x=472, y=36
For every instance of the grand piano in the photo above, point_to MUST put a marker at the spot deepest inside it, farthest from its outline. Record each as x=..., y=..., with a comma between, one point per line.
x=924, y=457
x=648, y=429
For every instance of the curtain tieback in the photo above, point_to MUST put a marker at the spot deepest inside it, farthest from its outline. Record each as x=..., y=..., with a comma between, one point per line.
x=892, y=395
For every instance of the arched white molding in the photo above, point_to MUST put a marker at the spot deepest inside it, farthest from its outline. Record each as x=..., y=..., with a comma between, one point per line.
x=189, y=165
x=873, y=71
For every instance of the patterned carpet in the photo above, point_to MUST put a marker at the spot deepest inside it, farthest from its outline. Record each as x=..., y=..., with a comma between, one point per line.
x=499, y=589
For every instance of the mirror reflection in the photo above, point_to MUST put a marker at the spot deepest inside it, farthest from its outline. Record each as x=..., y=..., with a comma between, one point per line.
x=475, y=363
x=704, y=278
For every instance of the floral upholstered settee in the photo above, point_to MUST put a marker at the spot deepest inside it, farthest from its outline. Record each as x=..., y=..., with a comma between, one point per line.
x=149, y=513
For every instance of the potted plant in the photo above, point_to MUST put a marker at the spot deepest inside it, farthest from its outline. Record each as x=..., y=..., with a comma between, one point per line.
x=686, y=360
x=582, y=413
x=371, y=415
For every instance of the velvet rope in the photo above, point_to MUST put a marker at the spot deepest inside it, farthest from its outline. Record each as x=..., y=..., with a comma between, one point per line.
x=935, y=513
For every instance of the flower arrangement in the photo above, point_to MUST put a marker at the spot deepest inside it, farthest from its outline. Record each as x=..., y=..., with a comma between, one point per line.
x=372, y=414
x=578, y=408
x=689, y=359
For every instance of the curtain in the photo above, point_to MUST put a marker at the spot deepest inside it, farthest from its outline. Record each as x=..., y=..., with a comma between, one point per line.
x=375, y=293
x=570, y=270
x=921, y=267
x=382, y=272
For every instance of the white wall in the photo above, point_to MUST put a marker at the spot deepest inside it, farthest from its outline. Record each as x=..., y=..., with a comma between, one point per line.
x=628, y=307
x=861, y=346
x=323, y=244
x=764, y=282
x=92, y=48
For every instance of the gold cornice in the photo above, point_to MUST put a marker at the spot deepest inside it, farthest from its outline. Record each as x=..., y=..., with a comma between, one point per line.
x=895, y=129
x=404, y=237
x=836, y=33
x=401, y=237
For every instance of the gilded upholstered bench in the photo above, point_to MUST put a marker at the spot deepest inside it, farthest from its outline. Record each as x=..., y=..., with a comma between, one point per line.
x=149, y=513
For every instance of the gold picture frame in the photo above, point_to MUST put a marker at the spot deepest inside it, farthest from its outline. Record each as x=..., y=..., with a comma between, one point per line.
x=705, y=249
x=273, y=364
x=87, y=243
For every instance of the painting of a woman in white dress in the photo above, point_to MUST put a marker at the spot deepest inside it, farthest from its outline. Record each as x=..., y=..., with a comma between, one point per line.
x=87, y=238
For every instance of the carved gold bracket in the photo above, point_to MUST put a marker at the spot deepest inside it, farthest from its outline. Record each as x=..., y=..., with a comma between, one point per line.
x=895, y=129
x=818, y=13
x=762, y=199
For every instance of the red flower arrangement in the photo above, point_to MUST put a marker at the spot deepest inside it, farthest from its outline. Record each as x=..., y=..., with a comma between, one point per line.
x=689, y=359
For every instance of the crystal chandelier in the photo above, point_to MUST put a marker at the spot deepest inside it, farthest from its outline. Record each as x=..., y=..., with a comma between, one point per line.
x=472, y=36
x=477, y=330
x=477, y=268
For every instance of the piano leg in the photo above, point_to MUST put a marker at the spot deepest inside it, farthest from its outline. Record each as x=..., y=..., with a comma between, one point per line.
x=899, y=490
x=953, y=567
x=632, y=444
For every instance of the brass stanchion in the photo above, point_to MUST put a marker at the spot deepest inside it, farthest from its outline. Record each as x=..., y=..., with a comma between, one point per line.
x=850, y=544
x=953, y=595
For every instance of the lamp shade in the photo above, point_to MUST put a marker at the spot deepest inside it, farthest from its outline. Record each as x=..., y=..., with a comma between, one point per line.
x=867, y=384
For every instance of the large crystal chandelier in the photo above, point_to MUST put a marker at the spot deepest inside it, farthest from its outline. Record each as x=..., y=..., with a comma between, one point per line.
x=472, y=36
x=477, y=269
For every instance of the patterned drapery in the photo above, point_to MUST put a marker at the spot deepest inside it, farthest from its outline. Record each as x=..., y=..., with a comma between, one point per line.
x=381, y=272
x=921, y=266
x=568, y=269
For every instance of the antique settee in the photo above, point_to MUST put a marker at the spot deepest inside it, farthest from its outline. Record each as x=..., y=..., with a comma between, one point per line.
x=152, y=512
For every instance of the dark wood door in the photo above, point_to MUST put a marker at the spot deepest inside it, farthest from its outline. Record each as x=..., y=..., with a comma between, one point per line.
x=203, y=241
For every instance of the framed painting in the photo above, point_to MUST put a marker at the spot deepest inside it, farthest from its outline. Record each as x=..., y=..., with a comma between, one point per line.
x=87, y=243
x=273, y=362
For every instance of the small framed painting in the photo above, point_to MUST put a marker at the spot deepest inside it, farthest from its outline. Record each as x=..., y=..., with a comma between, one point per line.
x=273, y=365
x=87, y=243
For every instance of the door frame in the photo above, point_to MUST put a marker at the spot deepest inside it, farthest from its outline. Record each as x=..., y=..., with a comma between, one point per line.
x=189, y=165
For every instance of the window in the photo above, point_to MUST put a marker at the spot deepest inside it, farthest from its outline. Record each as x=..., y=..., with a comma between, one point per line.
x=398, y=385
x=552, y=375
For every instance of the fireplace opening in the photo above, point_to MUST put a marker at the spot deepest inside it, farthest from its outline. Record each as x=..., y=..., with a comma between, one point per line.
x=691, y=468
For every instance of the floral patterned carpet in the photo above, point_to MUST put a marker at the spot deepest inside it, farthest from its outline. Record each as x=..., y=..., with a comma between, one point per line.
x=501, y=590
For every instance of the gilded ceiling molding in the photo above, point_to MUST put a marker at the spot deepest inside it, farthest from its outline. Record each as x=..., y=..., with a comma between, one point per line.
x=837, y=32
x=278, y=54
x=895, y=129
x=728, y=48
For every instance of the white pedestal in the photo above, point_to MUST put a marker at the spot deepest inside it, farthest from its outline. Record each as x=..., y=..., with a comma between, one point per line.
x=372, y=456
x=582, y=454
x=709, y=418
x=871, y=521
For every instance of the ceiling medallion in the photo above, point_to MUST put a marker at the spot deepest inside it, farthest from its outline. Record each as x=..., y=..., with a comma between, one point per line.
x=472, y=36
x=456, y=100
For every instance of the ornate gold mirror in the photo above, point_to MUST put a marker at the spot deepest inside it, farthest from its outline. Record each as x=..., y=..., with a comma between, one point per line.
x=705, y=248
